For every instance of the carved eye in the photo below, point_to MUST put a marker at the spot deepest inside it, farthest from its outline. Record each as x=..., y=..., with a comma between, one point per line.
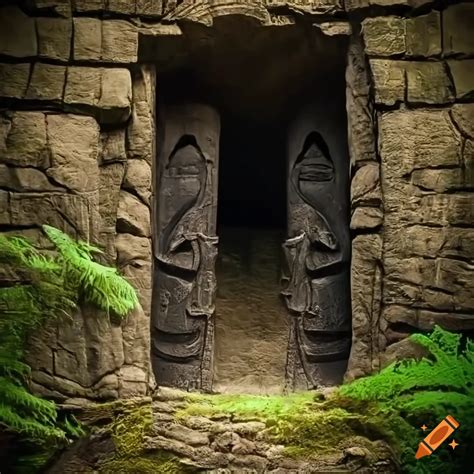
x=320, y=172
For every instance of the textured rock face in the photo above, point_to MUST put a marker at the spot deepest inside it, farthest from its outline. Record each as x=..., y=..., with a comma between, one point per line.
x=164, y=438
x=61, y=169
x=77, y=138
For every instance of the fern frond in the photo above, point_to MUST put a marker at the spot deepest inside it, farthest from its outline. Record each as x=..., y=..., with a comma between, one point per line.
x=100, y=285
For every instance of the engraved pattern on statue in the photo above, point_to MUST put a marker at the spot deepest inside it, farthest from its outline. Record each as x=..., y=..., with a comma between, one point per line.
x=185, y=276
x=317, y=261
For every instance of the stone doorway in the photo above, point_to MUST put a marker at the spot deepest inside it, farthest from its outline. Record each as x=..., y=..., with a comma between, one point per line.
x=237, y=106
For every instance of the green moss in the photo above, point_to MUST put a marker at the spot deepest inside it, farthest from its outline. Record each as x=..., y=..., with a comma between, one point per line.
x=389, y=406
x=162, y=463
x=307, y=427
x=245, y=406
x=129, y=429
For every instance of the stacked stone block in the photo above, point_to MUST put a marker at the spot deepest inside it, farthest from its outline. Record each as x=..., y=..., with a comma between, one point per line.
x=422, y=91
x=76, y=144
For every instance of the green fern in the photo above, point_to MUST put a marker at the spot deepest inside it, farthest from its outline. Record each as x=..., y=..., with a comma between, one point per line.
x=100, y=285
x=52, y=286
x=411, y=393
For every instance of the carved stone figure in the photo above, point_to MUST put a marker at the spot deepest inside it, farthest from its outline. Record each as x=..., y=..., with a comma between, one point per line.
x=185, y=249
x=317, y=279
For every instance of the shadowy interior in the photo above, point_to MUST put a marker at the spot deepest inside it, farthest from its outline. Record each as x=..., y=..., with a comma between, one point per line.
x=257, y=86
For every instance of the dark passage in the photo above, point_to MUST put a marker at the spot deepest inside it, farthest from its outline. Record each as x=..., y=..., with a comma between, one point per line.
x=252, y=174
x=251, y=323
x=257, y=95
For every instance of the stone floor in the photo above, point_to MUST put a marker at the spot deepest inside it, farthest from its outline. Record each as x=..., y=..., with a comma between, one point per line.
x=251, y=321
x=161, y=435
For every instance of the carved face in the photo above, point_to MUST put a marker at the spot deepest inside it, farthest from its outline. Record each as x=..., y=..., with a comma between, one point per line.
x=313, y=173
x=183, y=187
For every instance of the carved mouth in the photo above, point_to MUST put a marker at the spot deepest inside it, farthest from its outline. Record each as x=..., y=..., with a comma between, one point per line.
x=179, y=347
x=318, y=172
x=324, y=346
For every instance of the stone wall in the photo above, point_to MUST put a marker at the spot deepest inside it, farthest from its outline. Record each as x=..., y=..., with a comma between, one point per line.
x=411, y=112
x=77, y=148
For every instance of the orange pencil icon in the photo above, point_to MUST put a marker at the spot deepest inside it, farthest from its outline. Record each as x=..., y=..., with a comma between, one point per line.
x=434, y=440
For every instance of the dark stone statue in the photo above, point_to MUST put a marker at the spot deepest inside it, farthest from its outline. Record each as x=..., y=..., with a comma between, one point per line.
x=317, y=278
x=185, y=249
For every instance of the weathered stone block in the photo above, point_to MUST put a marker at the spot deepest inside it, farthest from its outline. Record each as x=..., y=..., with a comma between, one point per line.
x=89, y=347
x=71, y=213
x=113, y=147
x=58, y=7
x=73, y=141
x=139, y=274
x=149, y=7
x=360, y=126
x=361, y=133
x=364, y=218
x=440, y=180
x=17, y=33
x=184, y=434
x=116, y=99
x=15, y=150
x=423, y=241
x=365, y=186
x=457, y=29
x=82, y=86
x=125, y=7
x=87, y=39
x=88, y=5
x=133, y=216
x=141, y=131
x=14, y=80
x=138, y=179
x=425, y=320
x=357, y=76
x=136, y=338
x=5, y=218
x=107, y=93
x=366, y=280
x=468, y=159
x=413, y=139
x=447, y=209
x=131, y=248
x=54, y=38
x=400, y=348
x=442, y=284
x=119, y=42
x=47, y=82
x=428, y=83
x=463, y=116
x=389, y=81
x=463, y=77
x=384, y=36
x=423, y=35
x=25, y=179
x=114, y=41
x=111, y=176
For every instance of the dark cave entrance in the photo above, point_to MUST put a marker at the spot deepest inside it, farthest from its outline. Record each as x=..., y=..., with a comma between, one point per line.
x=251, y=228
x=256, y=91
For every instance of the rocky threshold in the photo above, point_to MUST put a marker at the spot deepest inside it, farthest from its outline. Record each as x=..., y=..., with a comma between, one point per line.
x=178, y=432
